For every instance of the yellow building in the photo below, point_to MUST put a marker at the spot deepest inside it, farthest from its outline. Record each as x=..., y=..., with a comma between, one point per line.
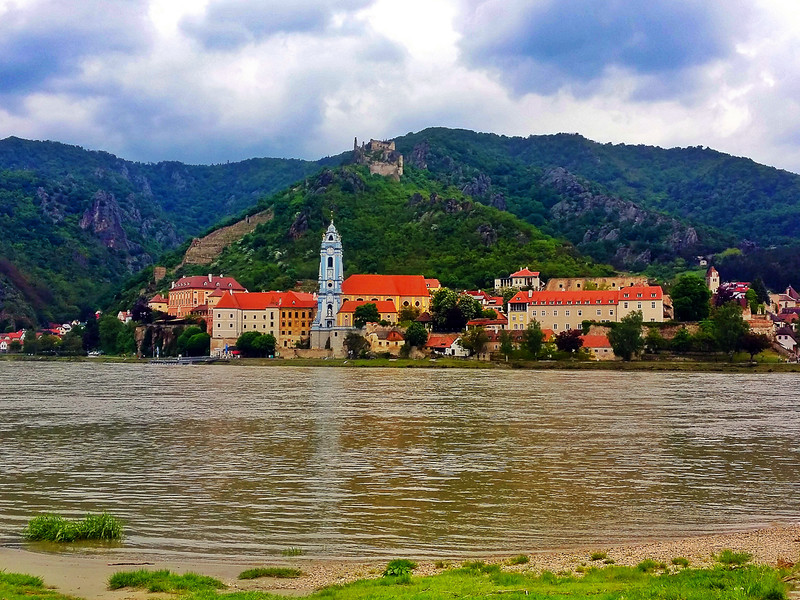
x=402, y=290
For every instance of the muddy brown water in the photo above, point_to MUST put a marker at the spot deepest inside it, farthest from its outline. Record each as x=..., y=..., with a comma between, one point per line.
x=345, y=462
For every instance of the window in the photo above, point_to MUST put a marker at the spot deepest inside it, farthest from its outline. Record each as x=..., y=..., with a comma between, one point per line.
x=555, y=313
x=639, y=305
x=533, y=313
x=580, y=313
x=566, y=312
x=599, y=312
x=652, y=305
x=555, y=326
x=625, y=304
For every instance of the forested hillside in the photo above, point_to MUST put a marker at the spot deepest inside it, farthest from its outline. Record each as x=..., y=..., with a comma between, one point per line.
x=413, y=226
x=74, y=224
x=707, y=191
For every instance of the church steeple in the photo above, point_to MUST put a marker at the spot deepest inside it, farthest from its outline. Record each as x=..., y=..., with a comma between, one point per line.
x=331, y=275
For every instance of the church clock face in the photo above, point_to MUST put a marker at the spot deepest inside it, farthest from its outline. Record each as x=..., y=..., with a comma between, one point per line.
x=329, y=250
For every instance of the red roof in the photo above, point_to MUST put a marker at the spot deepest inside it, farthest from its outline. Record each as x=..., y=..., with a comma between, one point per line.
x=158, y=298
x=595, y=341
x=589, y=297
x=432, y=283
x=216, y=293
x=385, y=285
x=500, y=320
x=441, y=340
x=526, y=272
x=262, y=300
x=383, y=306
x=200, y=282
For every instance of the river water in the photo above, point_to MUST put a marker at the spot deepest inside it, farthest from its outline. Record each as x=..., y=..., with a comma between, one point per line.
x=346, y=462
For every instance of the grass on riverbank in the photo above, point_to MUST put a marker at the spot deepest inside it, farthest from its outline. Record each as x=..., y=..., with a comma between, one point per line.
x=55, y=528
x=163, y=581
x=14, y=586
x=276, y=572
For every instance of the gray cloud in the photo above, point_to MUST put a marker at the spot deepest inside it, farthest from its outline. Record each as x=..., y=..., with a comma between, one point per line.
x=543, y=46
x=50, y=39
x=229, y=24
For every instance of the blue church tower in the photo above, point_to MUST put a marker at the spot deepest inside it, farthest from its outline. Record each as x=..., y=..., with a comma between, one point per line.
x=324, y=331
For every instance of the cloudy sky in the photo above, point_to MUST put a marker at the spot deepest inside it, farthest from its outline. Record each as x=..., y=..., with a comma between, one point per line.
x=214, y=80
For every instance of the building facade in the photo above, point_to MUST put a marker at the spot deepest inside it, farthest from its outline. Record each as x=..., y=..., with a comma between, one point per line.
x=402, y=290
x=188, y=293
x=524, y=278
x=562, y=311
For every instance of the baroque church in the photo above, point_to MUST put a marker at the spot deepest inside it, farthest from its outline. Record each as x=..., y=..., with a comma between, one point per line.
x=324, y=331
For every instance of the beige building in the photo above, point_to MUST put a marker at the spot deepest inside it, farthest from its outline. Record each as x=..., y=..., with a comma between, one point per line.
x=524, y=278
x=712, y=280
x=285, y=315
x=578, y=284
x=566, y=310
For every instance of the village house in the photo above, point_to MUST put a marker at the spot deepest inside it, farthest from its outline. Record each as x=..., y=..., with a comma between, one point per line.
x=487, y=300
x=498, y=324
x=524, y=278
x=346, y=315
x=445, y=344
x=188, y=293
x=432, y=284
x=598, y=346
x=562, y=311
x=712, y=280
x=787, y=338
x=285, y=315
x=384, y=339
x=158, y=303
x=402, y=290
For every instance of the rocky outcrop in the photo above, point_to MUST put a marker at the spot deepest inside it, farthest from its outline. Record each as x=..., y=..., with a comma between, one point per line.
x=104, y=220
x=594, y=217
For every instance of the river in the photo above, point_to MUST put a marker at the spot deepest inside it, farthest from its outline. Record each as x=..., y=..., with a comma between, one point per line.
x=347, y=462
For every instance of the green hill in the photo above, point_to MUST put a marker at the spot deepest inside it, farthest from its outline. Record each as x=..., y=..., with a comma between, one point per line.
x=415, y=226
x=725, y=199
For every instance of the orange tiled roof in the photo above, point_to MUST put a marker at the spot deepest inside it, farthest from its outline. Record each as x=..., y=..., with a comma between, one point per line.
x=648, y=292
x=158, y=298
x=262, y=300
x=441, y=340
x=526, y=272
x=589, y=297
x=383, y=306
x=595, y=341
x=385, y=285
x=432, y=282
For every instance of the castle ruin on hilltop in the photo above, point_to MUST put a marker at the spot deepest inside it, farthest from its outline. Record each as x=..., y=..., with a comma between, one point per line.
x=380, y=156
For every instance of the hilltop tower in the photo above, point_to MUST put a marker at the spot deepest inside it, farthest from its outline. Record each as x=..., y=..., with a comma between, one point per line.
x=712, y=280
x=324, y=331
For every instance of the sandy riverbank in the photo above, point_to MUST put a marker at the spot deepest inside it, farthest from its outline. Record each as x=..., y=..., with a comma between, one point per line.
x=85, y=576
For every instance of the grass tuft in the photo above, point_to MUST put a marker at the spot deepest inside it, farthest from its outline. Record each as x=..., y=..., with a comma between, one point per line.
x=163, y=581
x=522, y=559
x=20, y=580
x=598, y=555
x=399, y=567
x=648, y=566
x=733, y=559
x=292, y=552
x=680, y=561
x=55, y=528
x=277, y=572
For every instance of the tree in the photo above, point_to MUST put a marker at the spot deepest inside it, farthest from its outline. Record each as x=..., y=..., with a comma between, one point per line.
x=408, y=313
x=533, y=338
x=30, y=341
x=474, y=340
x=569, y=340
x=265, y=344
x=366, y=313
x=48, y=344
x=654, y=341
x=245, y=343
x=198, y=345
x=416, y=335
x=626, y=337
x=187, y=334
x=357, y=345
x=109, y=330
x=682, y=340
x=690, y=298
x=754, y=343
x=15, y=347
x=506, y=343
x=451, y=311
x=705, y=339
x=489, y=313
x=91, y=334
x=752, y=300
x=762, y=294
x=729, y=327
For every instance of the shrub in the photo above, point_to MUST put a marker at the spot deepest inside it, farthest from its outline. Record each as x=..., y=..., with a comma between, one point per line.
x=292, y=552
x=648, y=566
x=55, y=528
x=522, y=559
x=680, y=561
x=399, y=567
x=598, y=555
x=277, y=572
x=733, y=559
